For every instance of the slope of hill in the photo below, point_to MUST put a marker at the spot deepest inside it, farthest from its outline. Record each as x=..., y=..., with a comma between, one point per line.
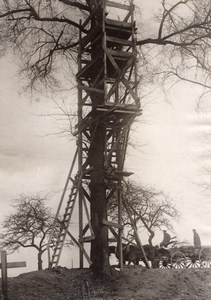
x=131, y=283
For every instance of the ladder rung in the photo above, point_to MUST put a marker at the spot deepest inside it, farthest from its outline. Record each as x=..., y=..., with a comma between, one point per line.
x=55, y=255
x=67, y=213
x=58, y=248
x=69, y=205
x=70, y=201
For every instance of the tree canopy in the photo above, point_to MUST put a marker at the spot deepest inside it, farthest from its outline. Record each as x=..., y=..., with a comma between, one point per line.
x=151, y=210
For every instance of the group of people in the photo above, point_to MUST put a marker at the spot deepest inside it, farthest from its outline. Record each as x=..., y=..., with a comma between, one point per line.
x=168, y=240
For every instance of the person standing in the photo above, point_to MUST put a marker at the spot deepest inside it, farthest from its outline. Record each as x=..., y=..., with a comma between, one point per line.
x=166, y=239
x=196, y=239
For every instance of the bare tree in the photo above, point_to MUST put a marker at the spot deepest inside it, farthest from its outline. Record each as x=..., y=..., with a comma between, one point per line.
x=151, y=210
x=28, y=227
x=45, y=33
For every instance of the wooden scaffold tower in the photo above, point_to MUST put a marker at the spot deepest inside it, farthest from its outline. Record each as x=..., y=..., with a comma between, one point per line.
x=107, y=106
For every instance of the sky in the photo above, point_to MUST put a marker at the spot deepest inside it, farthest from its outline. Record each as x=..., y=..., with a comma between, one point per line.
x=170, y=151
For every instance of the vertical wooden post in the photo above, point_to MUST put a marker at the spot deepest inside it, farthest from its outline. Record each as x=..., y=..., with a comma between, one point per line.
x=4, y=274
x=120, y=223
x=80, y=158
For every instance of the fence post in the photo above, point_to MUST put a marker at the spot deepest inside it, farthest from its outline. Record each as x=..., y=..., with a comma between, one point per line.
x=4, y=274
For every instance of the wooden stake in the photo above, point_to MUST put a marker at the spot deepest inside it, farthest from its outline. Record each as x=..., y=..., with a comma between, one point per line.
x=4, y=274
x=4, y=266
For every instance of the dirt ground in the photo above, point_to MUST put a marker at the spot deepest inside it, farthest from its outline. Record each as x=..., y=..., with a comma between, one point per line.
x=131, y=283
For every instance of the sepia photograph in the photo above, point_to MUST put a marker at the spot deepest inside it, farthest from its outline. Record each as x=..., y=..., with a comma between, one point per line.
x=105, y=150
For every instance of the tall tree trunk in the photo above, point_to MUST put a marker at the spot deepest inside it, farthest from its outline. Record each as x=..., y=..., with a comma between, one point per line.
x=39, y=259
x=99, y=246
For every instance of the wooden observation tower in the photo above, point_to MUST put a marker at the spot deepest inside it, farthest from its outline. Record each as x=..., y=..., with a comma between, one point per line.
x=107, y=106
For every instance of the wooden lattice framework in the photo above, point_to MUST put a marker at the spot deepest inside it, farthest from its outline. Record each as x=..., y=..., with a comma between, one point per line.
x=107, y=103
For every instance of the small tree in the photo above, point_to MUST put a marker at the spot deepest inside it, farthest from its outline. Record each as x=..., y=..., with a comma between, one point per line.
x=150, y=209
x=28, y=227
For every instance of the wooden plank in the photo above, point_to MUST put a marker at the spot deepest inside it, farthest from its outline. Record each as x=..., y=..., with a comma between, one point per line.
x=88, y=197
x=90, y=89
x=117, y=5
x=111, y=193
x=117, y=53
x=124, y=173
x=112, y=240
x=119, y=24
x=119, y=111
x=128, y=16
x=17, y=264
x=132, y=93
x=121, y=105
x=119, y=41
x=87, y=213
x=87, y=239
x=115, y=225
x=113, y=62
x=85, y=229
x=113, y=232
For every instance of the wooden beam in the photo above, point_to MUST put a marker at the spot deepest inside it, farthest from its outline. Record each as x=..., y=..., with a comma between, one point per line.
x=121, y=24
x=17, y=264
x=117, y=53
x=87, y=239
x=115, y=225
x=112, y=240
x=90, y=89
x=110, y=194
x=88, y=197
x=81, y=247
x=87, y=213
x=132, y=93
x=118, y=111
x=113, y=232
x=119, y=41
x=85, y=229
x=121, y=105
x=138, y=241
x=128, y=16
x=117, y=5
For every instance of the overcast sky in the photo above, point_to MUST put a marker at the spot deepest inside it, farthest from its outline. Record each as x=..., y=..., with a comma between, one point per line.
x=171, y=150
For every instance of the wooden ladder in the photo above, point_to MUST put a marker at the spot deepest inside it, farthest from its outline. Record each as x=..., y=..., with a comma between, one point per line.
x=59, y=236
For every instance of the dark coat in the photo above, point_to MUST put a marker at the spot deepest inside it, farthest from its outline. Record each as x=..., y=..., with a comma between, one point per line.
x=196, y=239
